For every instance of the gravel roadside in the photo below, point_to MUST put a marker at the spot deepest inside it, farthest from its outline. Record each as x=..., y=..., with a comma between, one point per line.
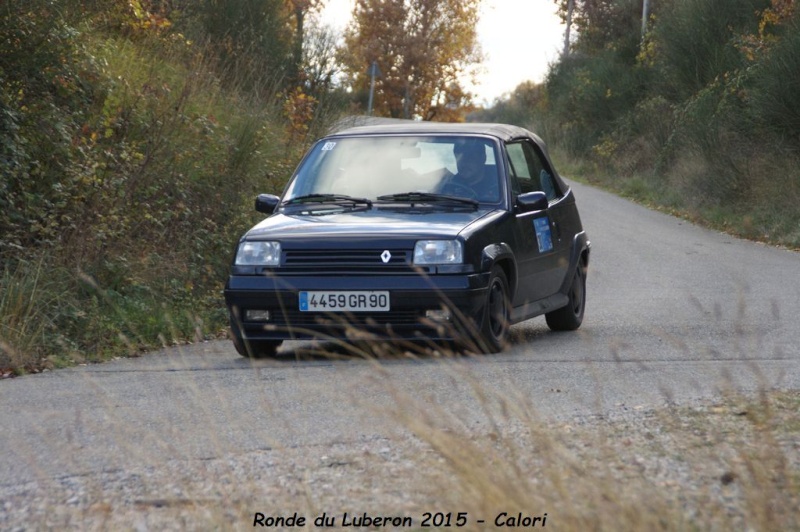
x=713, y=465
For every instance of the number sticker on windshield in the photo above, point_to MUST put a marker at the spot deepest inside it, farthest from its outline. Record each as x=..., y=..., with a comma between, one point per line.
x=328, y=146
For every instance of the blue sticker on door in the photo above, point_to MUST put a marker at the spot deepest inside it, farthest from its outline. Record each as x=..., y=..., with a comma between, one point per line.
x=543, y=235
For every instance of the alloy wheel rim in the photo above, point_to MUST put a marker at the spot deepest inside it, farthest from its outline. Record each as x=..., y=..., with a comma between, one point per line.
x=497, y=310
x=577, y=294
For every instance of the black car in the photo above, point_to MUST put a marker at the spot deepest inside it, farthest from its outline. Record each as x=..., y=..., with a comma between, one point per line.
x=412, y=231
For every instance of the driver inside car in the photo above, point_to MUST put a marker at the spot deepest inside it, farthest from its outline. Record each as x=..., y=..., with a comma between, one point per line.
x=474, y=178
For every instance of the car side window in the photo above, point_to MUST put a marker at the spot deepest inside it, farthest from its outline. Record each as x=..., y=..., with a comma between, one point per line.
x=529, y=173
x=521, y=181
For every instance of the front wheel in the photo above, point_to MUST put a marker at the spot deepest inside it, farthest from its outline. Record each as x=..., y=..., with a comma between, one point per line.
x=494, y=328
x=250, y=348
x=570, y=317
x=256, y=348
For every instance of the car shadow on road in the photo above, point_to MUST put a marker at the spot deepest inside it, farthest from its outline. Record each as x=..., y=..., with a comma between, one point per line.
x=394, y=350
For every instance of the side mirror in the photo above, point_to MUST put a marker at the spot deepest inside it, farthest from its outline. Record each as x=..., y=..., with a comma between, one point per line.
x=266, y=203
x=532, y=201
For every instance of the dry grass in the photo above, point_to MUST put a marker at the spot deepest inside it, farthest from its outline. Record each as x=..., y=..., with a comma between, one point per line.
x=733, y=464
x=723, y=465
x=729, y=464
x=25, y=294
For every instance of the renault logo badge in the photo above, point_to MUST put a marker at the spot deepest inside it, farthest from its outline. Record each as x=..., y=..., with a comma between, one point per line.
x=386, y=256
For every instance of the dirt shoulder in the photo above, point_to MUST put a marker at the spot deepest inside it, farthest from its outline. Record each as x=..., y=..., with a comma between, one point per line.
x=715, y=465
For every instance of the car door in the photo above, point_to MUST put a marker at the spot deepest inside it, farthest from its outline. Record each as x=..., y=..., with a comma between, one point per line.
x=542, y=254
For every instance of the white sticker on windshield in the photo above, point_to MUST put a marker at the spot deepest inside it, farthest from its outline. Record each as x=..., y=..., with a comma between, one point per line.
x=328, y=146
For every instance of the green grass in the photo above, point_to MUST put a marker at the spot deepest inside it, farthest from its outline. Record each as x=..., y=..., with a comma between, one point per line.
x=54, y=317
x=769, y=214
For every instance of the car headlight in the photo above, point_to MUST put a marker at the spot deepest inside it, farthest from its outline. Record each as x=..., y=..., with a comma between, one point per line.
x=438, y=252
x=258, y=254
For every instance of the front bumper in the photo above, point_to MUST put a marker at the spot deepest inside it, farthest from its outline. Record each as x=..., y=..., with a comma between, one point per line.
x=464, y=295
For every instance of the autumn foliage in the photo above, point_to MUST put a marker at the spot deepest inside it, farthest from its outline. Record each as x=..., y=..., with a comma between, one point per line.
x=422, y=49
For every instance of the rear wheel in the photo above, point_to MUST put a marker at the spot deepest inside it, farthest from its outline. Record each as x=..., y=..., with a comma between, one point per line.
x=494, y=329
x=570, y=317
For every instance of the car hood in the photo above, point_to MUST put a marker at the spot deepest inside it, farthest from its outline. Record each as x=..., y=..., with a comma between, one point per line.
x=384, y=223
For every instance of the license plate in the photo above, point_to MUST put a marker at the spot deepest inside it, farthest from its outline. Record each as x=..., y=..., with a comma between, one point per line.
x=344, y=301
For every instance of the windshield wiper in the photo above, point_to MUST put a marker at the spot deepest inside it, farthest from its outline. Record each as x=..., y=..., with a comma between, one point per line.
x=427, y=197
x=338, y=199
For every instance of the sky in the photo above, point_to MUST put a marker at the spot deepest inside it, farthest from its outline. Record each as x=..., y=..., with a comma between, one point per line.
x=519, y=39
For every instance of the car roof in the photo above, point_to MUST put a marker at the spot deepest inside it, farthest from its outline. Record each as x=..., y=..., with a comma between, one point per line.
x=360, y=126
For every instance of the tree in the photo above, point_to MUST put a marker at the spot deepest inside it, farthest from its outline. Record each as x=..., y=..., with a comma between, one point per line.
x=423, y=49
x=606, y=24
x=299, y=10
x=320, y=67
x=521, y=107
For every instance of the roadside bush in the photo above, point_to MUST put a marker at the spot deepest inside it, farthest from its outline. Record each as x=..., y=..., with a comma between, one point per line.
x=251, y=39
x=705, y=120
x=714, y=125
x=775, y=94
x=636, y=144
x=129, y=168
x=695, y=42
x=46, y=94
x=587, y=95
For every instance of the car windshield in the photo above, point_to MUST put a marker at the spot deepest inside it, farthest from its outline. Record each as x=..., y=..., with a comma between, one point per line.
x=398, y=169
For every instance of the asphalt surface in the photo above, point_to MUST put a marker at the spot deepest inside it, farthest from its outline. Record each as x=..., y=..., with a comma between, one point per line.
x=675, y=313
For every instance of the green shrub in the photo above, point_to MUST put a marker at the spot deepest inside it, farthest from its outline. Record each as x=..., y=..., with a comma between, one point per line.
x=775, y=93
x=708, y=119
x=129, y=168
x=588, y=95
x=46, y=93
x=251, y=38
x=695, y=42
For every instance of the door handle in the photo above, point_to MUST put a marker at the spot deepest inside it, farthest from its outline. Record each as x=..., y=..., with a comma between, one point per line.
x=557, y=230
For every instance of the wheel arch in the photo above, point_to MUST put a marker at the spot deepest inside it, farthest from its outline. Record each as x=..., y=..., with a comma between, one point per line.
x=578, y=258
x=501, y=255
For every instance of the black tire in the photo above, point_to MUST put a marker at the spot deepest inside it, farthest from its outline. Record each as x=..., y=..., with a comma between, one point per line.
x=251, y=348
x=570, y=317
x=494, y=328
x=256, y=348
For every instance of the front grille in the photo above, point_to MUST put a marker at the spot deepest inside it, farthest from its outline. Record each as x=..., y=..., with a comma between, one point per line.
x=348, y=260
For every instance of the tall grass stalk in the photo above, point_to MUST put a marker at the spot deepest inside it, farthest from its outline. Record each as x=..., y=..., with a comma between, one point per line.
x=27, y=299
x=719, y=466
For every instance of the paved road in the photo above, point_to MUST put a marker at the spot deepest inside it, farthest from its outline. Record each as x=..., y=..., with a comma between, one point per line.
x=675, y=313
